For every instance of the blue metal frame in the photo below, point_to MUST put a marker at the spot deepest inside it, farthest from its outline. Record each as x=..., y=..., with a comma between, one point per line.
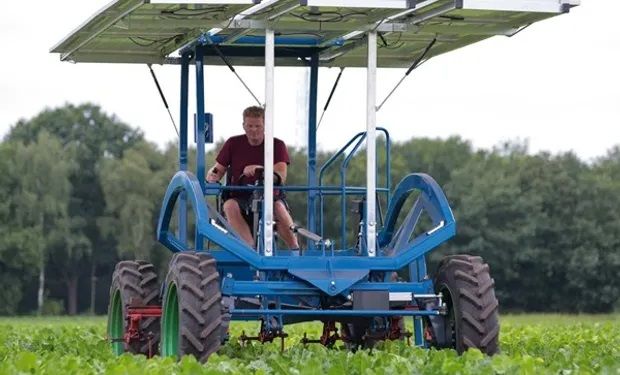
x=256, y=313
x=259, y=41
x=322, y=271
x=234, y=287
x=200, y=126
x=183, y=143
x=312, y=178
x=331, y=274
x=360, y=137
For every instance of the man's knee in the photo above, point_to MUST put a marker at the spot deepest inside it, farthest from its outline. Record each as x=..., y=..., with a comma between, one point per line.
x=281, y=211
x=231, y=208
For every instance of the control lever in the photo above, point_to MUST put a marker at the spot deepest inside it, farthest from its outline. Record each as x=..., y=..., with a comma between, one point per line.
x=307, y=234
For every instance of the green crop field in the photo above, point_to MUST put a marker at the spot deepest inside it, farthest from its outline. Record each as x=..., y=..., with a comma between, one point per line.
x=530, y=344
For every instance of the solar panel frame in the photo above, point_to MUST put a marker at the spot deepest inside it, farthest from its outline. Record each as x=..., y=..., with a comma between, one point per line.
x=143, y=31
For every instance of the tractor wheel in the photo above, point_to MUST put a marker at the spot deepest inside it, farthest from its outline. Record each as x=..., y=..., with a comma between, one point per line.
x=358, y=334
x=353, y=335
x=192, y=311
x=133, y=282
x=472, y=309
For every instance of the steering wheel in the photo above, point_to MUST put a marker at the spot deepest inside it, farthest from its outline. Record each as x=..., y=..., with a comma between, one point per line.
x=260, y=177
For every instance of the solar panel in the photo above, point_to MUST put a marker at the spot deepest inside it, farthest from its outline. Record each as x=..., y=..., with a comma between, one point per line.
x=142, y=31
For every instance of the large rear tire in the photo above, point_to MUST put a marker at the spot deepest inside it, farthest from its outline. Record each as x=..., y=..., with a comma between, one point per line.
x=472, y=319
x=192, y=311
x=133, y=282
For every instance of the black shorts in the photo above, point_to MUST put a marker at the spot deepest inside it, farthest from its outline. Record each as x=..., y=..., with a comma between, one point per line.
x=245, y=204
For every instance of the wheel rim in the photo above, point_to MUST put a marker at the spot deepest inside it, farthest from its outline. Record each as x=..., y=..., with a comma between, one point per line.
x=116, y=324
x=170, y=329
x=451, y=326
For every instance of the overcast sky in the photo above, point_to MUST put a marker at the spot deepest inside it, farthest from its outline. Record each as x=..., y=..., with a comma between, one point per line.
x=556, y=85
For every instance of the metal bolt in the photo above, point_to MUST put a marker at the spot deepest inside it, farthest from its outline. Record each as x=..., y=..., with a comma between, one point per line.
x=349, y=297
x=229, y=275
x=333, y=283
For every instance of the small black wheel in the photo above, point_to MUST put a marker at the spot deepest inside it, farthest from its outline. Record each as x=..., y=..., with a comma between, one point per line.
x=133, y=282
x=354, y=335
x=468, y=291
x=366, y=333
x=192, y=310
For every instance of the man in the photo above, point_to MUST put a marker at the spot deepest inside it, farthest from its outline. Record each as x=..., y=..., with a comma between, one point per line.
x=241, y=156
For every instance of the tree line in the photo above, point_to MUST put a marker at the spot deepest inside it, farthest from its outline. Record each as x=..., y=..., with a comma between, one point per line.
x=81, y=190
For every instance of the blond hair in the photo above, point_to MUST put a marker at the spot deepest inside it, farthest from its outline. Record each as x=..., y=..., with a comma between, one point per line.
x=254, y=111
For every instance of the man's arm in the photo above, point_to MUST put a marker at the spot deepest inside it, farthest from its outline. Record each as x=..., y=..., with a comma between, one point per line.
x=281, y=169
x=281, y=159
x=215, y=173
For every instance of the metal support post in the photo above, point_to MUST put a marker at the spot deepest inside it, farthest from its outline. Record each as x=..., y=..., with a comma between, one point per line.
x=182, y=234
x=200, y=129
x=418, y=331
x=269, y=115
x=312, y=177
x=371, y=155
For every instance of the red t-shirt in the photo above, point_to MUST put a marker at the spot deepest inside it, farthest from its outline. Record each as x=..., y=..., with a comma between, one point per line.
x=237, y=153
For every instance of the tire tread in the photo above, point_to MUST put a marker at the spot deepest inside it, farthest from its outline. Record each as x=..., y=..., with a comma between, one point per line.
x=476, y=307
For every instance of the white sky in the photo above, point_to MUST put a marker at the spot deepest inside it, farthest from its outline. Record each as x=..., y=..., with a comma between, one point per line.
x=556, y=84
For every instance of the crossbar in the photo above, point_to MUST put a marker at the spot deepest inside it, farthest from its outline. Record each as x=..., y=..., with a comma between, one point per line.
x=335, y=313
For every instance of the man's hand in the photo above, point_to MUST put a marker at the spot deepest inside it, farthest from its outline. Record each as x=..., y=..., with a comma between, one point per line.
x=212, y=177
x=215, y=174
x=250, y=170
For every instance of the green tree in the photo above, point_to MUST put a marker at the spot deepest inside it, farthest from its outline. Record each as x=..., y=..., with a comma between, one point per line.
x=36, y=193
x=91, y=134
x=18, y=260
x=133, y=188
x=43, y=196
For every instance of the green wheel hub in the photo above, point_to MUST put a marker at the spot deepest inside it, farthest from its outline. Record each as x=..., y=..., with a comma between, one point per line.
x=170, y=328
x=116, y=324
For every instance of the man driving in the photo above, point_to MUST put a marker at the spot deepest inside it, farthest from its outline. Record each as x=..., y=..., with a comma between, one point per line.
x=243, y=157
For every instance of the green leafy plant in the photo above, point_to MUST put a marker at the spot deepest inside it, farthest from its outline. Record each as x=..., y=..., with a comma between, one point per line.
x=530, y=344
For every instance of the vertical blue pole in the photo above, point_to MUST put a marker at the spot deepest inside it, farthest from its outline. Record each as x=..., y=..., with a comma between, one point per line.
x=182, y=235
x=421, y=267
x=417, y=273
x=418, y=331
x=312, y=178
x=417, y=269
x=200, y=129
x=414, y=276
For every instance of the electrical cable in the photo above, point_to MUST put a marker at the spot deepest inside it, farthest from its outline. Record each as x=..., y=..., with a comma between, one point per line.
x=393, y=45
x=184, y=12
x=332, y=16
x=152, y=42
